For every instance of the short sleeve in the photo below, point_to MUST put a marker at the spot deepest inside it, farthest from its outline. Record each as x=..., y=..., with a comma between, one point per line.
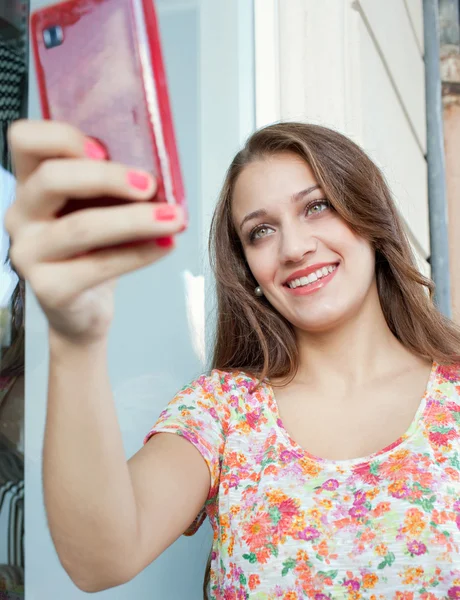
x=198, y=413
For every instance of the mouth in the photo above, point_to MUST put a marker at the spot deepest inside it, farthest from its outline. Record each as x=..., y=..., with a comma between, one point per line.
x=312, y=280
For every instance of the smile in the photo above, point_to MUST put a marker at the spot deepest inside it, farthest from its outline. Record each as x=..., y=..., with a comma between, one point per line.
x=312, y=281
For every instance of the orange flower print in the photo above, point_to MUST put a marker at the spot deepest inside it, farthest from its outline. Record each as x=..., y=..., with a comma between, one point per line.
x=413, y=523
x=398, y=489
x=290, y=596
x=412, y=576
x=404, y=596
x=381, y=549
x=271, y=470
x=453, y=473
x=254, y=581
x=370, y=580
x=400, y=466
x=275, y=496
x=302, y=556
x=263, y=555
x=372, y=493
x=381, y=509
x=309, y=467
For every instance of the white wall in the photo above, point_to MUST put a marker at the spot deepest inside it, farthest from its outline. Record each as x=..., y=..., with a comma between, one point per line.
x=356, y=66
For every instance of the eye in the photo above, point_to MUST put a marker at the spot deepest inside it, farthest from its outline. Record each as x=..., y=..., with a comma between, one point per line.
x=259, y=232
x=316, y=207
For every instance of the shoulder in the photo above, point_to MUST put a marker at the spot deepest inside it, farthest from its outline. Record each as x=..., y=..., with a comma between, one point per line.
x=448, y=380
x=216, y=396
x=221, y=384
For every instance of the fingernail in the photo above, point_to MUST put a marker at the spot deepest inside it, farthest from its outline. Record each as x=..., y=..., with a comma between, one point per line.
x=165, y=213
x=94, y=150
x=138, y=180
x=165, y=242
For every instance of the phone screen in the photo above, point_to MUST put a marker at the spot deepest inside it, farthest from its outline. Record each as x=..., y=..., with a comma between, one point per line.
x=93, y=79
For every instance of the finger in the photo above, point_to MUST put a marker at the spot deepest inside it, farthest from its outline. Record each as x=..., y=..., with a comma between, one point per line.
x=96, y=228
x=31, y=142
x=84, y=273
x=55, y=181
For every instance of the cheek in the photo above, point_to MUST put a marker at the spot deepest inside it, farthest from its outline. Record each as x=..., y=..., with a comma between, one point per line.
x=263, y=266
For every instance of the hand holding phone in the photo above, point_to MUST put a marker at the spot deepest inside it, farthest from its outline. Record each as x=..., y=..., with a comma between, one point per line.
x=72, y=262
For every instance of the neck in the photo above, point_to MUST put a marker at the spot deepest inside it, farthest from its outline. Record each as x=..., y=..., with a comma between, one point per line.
x=360, y=349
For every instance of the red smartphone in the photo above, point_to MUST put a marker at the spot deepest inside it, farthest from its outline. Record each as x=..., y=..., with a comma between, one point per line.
x=100, y=67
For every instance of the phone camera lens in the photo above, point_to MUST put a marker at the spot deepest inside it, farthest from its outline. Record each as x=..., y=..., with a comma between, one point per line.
x=53, y=36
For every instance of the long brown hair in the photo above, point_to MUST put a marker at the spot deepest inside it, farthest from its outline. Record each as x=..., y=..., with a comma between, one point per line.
x=251, y=335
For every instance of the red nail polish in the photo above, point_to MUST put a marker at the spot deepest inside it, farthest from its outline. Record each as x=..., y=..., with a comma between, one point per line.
x=94, y=150
x=165, y=242
x=138, y=180
x=165, y=213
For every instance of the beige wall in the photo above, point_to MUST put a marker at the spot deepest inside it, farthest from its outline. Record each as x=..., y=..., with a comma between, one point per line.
x=452, y=147
x=356, y=66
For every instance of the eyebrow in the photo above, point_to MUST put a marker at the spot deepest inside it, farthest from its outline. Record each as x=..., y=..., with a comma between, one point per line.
x=263, y=213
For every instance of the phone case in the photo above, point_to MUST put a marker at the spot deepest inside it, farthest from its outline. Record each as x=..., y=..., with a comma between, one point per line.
x=107, y=78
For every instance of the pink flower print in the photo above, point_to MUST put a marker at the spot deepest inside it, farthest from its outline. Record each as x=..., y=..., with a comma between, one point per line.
x=442, y=439
x=363, y=472
x=233, y=481
x=253, y=417
x=416, y=548
x=286, y=456
x=454, y=592
x=451, y=373
x=360, y=498
x=457, y=520
x=321, y=597
x=330, y=484
x=452, y=407
x=353, y=585
x=456, y=506
x=226, y=387
x=309, y=534
x=234, y=401
x=357, y=512
x=213, y=413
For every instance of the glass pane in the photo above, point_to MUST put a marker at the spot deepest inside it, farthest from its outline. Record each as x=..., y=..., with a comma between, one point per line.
x=157, y=338
x=13, y=94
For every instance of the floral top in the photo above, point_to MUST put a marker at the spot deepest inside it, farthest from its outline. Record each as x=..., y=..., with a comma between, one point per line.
x=289, y=526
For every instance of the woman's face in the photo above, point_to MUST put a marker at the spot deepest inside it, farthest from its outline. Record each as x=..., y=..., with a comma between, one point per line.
x=311, y=266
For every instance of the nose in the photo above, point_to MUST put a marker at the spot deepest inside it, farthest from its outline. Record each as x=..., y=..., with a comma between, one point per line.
x=296, y=243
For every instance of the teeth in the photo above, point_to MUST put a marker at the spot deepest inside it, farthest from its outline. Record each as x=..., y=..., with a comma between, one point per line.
x=312, y=277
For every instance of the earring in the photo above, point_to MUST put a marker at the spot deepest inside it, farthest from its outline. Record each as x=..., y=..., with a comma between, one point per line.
x=258, y=291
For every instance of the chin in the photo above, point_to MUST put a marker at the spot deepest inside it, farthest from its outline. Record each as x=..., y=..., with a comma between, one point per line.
x=323, y=322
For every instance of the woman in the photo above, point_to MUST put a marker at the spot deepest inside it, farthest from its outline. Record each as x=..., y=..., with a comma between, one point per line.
x=324, y=443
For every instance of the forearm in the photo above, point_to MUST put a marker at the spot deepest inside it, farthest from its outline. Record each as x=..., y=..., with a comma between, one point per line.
x=89, y=497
